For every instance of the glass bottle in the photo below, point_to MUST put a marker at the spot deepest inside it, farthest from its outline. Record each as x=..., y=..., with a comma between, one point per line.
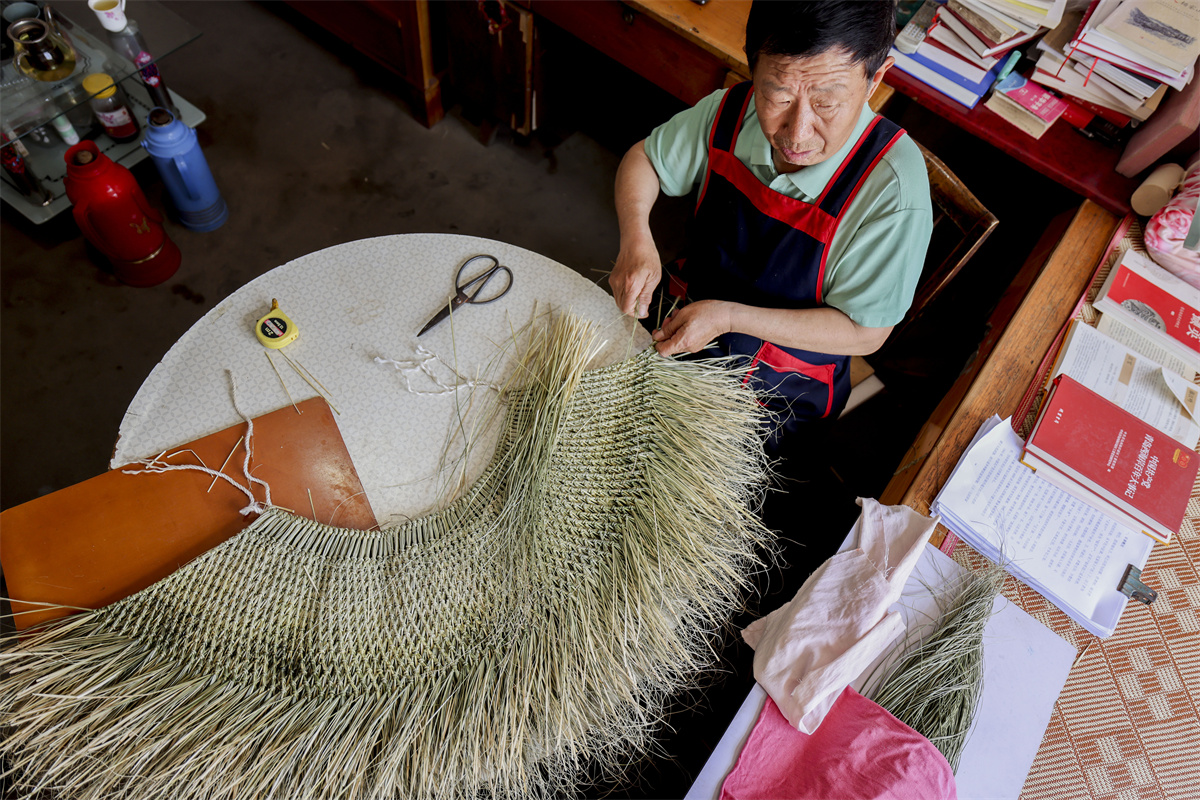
x=65, y=129
x=126, y=39
x=111, y=107
x=39, y=51
x=57, y=120
x=70, y=98
x=13, y=155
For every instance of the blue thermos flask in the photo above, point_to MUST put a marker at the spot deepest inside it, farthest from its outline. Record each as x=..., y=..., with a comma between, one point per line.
x=189, y=181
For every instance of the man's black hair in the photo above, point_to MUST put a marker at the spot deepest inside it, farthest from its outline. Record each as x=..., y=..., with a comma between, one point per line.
x=863, y=28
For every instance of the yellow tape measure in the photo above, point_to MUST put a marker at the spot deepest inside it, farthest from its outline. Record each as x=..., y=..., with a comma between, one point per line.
x=275, y=329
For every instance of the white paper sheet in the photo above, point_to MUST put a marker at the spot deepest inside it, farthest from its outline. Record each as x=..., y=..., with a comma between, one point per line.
x=1183, y=391
x=1024, y=670
x=1060, y=546
x=707, y=785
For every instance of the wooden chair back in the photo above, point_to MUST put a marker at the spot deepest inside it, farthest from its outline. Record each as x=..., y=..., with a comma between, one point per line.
x=960, y=226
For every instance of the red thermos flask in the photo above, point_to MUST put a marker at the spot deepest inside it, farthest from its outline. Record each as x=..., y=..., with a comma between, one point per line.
x=114, y=215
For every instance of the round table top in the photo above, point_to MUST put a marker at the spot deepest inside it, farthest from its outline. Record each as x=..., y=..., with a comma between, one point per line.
x=352, y=303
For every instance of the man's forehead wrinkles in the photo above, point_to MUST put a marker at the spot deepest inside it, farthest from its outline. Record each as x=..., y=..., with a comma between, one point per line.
x=826, y=88
x=814, y=80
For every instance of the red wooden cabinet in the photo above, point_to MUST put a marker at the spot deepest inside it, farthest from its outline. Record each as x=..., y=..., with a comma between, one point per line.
x=495, y=62
x=396, y=34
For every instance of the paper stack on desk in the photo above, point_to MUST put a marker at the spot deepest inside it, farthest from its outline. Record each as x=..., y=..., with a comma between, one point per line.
x=1058, y=545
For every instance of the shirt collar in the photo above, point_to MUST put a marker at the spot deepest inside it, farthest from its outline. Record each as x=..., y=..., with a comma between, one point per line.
x=811, y=181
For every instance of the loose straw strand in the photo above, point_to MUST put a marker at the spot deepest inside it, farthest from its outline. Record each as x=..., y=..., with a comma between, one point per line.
x=296, y=366
x=279, y=375
x=225, y=462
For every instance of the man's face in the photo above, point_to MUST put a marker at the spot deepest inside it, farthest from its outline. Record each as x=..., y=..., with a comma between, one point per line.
x=807, y=107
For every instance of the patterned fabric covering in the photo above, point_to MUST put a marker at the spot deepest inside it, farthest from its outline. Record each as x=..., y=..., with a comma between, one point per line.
x=1126, y=725
x=1168, y=229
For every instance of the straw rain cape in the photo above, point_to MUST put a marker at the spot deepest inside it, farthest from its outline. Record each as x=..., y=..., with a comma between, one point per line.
x=534, y=627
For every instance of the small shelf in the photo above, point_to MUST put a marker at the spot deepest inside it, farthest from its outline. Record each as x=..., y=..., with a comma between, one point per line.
x=48, y=165
x=28, y=104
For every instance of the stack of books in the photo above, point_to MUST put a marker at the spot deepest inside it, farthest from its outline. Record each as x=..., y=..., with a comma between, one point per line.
x=969, y=43
x=1154, y=40
x=1119, y=58
x=1117, y=428
x=1111, y=462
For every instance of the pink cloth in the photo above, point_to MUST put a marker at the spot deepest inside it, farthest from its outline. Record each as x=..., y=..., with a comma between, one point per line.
x=860, y=752
x=1166, y=230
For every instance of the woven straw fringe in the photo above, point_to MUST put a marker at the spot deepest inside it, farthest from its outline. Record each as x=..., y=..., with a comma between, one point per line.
x=531, y=630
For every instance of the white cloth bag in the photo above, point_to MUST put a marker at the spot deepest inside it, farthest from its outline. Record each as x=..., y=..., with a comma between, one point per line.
x=807, y=651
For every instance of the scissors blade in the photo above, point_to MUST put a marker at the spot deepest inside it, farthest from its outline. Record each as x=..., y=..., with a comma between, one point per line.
x=451, y=304
x=438, y=317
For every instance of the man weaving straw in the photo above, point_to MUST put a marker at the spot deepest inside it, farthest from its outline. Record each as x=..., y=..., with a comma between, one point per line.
x=813, y=215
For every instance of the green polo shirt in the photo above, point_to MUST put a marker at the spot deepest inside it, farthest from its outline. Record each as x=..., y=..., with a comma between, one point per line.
x=878, y=250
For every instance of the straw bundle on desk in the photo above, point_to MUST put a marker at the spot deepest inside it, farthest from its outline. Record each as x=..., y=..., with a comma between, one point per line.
x=535, y=625
x=935, y=687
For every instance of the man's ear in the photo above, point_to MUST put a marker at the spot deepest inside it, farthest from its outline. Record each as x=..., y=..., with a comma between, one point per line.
x=877, y=78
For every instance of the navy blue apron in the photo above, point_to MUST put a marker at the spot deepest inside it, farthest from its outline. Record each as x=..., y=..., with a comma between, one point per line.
x=753, y=245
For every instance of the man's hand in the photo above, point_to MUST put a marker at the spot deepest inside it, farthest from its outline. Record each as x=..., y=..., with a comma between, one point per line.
x=638, y=268
x=821, y=330
x=637, y=271
x=690, y=328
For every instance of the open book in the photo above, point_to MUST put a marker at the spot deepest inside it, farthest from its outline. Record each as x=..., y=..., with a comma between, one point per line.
x=1144, y=296
x=1118, y=370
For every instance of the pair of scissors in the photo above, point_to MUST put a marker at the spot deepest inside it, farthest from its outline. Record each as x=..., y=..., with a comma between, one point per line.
x=461, y=289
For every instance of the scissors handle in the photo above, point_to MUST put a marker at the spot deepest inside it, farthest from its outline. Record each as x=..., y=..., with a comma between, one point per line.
x=460, y=289
x=482, y=279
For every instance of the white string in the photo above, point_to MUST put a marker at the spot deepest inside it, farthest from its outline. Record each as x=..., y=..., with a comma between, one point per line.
x=254, y=506
x=423, y=365
x=155, y=465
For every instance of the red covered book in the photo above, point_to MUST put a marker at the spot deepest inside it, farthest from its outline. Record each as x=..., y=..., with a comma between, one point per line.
x=1149, y=299
x=1104, y=112
x=1110, y=459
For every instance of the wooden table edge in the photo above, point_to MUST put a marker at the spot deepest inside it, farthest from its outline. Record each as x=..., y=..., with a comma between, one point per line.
x=682, y=20
x=1006, y=373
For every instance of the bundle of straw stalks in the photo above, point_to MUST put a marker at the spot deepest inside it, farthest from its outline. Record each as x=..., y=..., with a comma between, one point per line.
x=498, y=647
x=935, y=687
